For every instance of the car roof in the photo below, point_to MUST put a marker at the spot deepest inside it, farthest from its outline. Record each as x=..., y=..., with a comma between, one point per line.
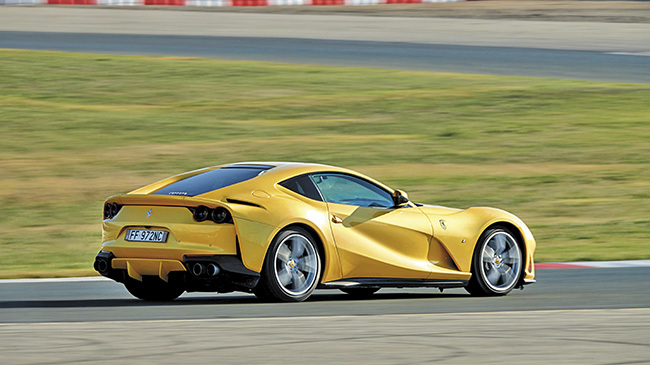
x=285, y=170
x=277, y=172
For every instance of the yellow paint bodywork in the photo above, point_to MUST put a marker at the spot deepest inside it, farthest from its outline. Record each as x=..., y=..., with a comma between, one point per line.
x=463, y=228
x=405, y=242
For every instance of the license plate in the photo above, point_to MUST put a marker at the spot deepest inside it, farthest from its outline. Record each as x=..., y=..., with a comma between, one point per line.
x=146, y=235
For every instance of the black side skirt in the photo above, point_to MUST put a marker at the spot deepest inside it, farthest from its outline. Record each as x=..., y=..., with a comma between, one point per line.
x=392, y=283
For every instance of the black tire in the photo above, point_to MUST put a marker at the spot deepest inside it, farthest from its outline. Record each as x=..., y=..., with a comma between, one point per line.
x=154, y=290
x=292, y=267
x=360, y=293
x=497, y=264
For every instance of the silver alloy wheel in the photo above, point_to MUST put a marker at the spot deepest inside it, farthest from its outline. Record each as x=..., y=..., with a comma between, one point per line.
x=500, y=261
x=296, y=264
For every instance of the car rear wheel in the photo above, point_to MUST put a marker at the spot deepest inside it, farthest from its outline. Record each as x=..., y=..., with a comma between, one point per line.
x=292, y=267
x=152, y=290
x=496, y=265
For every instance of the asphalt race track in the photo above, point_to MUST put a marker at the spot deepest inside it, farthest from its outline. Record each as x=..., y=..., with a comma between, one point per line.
x=105, y=300
x=577, y=50
x=587, y=65
x=597, y=316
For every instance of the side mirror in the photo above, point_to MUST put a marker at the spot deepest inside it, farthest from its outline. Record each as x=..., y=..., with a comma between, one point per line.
x=400, y=198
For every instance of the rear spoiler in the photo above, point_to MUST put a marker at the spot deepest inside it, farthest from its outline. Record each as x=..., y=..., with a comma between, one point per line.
x=162, y=200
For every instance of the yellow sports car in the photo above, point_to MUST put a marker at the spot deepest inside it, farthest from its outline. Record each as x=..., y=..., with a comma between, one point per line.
x=282, y=230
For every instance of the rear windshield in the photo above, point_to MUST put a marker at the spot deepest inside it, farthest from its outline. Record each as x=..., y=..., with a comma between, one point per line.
x=211, y=180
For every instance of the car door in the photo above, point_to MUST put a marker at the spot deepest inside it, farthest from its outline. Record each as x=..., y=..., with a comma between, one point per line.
x=374, y=239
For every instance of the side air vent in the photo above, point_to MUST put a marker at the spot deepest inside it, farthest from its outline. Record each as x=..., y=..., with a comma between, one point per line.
x=243, y=202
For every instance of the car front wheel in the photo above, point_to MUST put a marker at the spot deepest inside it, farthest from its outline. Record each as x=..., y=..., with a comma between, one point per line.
x=496, y=265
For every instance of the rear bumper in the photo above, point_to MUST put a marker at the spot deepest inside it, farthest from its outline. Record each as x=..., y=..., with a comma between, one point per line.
x=230, y=275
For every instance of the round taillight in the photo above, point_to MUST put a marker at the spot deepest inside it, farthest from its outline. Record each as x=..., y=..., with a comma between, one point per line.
x=107, y=211
x=114, y=209
x=220, y=215
x=201, y=213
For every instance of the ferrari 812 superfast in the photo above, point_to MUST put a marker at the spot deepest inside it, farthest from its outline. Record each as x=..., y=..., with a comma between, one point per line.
x=282, y=230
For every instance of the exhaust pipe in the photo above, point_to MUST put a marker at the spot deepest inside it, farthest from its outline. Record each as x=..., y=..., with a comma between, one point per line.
x=197, y=269
x=213, y=270
x=102, y=266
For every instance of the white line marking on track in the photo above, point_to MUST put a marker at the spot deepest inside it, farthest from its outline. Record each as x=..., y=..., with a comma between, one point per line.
x=615, y=264
x=594, y=264
x=54, y=280
x=643, y=54
x=257, y=319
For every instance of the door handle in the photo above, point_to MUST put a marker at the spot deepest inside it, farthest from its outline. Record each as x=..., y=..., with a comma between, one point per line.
x=336, y=219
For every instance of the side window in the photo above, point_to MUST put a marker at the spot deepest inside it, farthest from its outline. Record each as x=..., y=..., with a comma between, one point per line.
x=351, y=190
x=303, y=186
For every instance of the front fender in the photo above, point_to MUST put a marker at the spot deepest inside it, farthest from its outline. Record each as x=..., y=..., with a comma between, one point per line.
x=460, y=231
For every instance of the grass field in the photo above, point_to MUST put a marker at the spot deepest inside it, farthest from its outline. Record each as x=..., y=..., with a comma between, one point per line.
x=571, y=158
